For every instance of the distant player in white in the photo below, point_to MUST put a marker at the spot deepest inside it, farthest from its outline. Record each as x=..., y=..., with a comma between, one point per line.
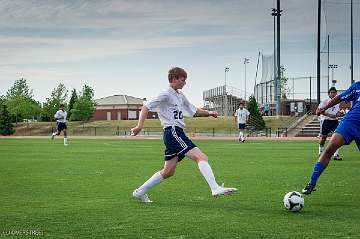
x=329, y=121
x=242, y=116
x=172, y=106
x=60, y=117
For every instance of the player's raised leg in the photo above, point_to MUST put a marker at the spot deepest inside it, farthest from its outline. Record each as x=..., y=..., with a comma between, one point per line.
x=322, y=142
x=335, y=143
x=158, y=177
x=65, y=137
x=240, y=135
x=54, y=134
x=337, y=155
x=57, y=132
x=205, y=169
x=244, y=134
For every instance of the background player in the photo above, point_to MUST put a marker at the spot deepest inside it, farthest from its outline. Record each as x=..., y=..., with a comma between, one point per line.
x=242, y=116
x=329, y=121
x=60, y=117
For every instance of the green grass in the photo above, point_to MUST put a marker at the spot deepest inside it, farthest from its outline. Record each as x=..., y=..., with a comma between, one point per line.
x=84, y=191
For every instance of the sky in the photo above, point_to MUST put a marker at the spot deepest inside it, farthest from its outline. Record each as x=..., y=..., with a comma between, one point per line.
x=127, y=47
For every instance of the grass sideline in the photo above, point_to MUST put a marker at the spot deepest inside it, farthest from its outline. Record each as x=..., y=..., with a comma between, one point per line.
x=199, y=124
x=84, y=191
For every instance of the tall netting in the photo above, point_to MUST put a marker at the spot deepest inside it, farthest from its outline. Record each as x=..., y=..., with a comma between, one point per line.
x=336, y=44
x=300, y=88
x=294, y=89
x=264, y=90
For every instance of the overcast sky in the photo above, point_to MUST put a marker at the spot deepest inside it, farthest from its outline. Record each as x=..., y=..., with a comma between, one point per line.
x=127, y=47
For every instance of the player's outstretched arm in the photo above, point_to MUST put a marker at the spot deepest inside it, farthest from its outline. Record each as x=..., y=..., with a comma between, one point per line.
x=142, y=117
x=334, y=101
x=205, y=113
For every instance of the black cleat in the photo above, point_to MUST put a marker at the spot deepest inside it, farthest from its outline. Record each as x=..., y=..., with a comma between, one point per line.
x=337, y=157
x=308, y=189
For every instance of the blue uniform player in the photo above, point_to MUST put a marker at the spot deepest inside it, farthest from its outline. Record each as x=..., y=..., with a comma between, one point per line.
x=347, y=131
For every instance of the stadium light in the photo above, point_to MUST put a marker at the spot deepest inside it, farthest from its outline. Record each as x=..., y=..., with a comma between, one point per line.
x=226, y=70
x=246, y=61
x=332, y=67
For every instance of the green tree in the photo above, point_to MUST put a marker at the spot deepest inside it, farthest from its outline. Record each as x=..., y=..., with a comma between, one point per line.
x=6, y=127
x=2, y=100
x=84, y=106
x=19, y=101
x=284, y=88
x=256, y=118
x=58, y=96
x=72, y=101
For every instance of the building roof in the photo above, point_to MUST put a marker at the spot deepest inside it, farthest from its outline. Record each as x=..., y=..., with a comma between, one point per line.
x=119, y=100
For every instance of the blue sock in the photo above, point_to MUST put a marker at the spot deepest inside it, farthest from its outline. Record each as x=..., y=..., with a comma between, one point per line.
x=318, y=169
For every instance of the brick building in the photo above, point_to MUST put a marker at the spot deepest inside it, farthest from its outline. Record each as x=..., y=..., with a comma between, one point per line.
x=119, y=107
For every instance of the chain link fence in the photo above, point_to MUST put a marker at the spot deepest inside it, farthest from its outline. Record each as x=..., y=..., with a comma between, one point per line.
x=29, y=130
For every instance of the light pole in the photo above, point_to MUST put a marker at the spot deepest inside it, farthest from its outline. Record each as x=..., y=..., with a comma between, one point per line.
x=332, y=67
x=225, y=94
x=276, y=12
x=226, y=70
x=246, y=61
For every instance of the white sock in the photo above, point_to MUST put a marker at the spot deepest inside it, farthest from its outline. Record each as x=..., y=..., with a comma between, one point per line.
x=241, y=135
x=54, y=134
x=321, y=148
x=65, y=141
x=336, y=152
x=208, y=174
x=151, y=182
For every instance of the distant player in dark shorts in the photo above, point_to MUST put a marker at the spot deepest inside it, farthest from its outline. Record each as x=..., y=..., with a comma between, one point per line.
x=60, y=117
x=329, y=121
x=241, y=117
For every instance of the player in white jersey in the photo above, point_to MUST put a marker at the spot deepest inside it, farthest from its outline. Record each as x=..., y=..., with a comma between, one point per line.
x=60, y=117
x=329, y=121
x=242, y=116
x=172, y=106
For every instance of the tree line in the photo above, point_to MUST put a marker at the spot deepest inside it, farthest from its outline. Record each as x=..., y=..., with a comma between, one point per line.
x=18, y=104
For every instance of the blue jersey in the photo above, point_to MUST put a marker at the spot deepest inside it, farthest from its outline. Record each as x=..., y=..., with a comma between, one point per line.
x=352, y=94
x=349, y=127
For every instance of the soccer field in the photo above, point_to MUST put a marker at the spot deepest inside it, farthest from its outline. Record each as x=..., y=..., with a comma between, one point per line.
x=84, y=191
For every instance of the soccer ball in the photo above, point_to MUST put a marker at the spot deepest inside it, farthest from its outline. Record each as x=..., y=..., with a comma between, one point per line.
x=293, y=201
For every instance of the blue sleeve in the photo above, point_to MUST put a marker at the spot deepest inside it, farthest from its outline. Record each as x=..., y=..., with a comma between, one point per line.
x=349, y=94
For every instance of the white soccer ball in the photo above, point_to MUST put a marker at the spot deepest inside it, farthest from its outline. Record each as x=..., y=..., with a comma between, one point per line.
x=293, y=201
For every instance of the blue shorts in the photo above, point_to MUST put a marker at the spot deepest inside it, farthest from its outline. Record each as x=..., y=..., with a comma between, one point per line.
x=350, y=131
x=328, y=126
x=242, y=126
x=176, y=142
x=61, y=126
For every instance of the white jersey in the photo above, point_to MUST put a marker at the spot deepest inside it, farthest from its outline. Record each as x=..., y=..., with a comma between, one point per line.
x=242, y=115
x=332, y=110
x=60, y=116
x=171, y=106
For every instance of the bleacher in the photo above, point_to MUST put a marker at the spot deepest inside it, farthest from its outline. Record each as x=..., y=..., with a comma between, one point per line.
x=312, y=129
